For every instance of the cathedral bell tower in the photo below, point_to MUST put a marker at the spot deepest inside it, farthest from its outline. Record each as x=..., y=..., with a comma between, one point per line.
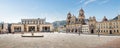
x=81, y=17
x=68, y=18
x=81, y=14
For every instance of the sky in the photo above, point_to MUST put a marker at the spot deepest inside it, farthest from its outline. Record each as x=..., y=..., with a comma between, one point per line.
x=12, y=11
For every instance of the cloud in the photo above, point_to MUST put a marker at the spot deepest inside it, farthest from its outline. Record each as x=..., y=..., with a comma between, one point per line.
x=103, y=2
x=88, y=2
x=81, y=1
x=84, y=3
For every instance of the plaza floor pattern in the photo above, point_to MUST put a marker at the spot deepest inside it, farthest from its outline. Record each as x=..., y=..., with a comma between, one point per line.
x=56, y=40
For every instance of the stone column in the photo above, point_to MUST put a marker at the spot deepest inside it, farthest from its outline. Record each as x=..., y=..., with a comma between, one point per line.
x=40, y=28
x=51, y=28
x=27, y=28
x=35, y=28
x=11, y=28
x=22, y=28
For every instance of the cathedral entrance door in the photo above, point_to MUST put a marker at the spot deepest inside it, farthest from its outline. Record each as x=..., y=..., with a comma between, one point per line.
x=76, y=30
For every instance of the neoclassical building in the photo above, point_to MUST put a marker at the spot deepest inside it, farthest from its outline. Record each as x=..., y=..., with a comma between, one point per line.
x=32, y=25
x=76, y=24
x=92, y=26
x=105, y=26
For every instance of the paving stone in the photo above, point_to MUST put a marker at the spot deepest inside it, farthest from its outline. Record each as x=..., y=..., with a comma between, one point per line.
x=54, y=40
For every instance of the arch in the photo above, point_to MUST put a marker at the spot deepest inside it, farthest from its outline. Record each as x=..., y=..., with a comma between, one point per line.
x=72, y=30
x=110, y=32
x=46, y=29
x=31, y=28
x=75, y=30
x=92, y=31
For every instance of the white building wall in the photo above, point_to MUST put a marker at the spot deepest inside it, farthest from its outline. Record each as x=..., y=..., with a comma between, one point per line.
x=85, y=29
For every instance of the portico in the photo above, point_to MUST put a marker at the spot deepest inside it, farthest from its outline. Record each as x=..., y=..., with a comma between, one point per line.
x=17, y=28
x=32, y=25
x=46, y=28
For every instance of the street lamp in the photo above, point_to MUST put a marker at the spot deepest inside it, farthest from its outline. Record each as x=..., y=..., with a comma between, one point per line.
x=80, y=29
x=98, y=32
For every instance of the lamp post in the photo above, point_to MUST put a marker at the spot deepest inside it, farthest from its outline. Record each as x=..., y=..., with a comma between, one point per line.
x=80, y=29
x=98, y=32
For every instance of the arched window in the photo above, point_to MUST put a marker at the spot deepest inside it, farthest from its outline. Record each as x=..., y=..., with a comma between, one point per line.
x=104, y=30
x=114, y=31
x=117, y=31
x=117, y=26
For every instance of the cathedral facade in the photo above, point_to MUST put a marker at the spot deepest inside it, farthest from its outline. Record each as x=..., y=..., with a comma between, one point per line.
x=74, y=24
x=79, y=25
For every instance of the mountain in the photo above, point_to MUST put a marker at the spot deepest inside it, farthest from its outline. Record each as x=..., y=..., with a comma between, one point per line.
x=59, y=23
x=63, y=22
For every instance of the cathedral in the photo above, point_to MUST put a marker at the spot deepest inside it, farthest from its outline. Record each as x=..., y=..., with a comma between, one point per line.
x=74, y=24
x=92, y=26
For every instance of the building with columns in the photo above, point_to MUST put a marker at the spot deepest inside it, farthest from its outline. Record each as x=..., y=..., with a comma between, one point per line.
x=32, y=25
x=105, y=26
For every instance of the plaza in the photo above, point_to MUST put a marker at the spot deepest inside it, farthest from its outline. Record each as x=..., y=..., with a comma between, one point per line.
x=57, y=40
x=59, y=24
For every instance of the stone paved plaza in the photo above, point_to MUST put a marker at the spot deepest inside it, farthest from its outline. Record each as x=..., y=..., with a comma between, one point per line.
x=54, y=40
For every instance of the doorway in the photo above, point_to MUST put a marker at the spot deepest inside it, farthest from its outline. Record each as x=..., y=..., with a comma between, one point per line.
x=17, y=29
x=110, y=31
x=31, y=28
x=76, y=30
x=92, y=31
x=46, y=29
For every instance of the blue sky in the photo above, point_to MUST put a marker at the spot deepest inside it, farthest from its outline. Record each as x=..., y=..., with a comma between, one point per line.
x=12, y=11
